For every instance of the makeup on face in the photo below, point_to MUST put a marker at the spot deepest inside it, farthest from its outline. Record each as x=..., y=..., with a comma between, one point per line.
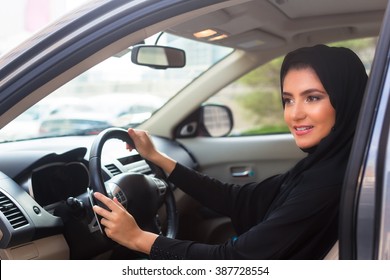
x=308, y=111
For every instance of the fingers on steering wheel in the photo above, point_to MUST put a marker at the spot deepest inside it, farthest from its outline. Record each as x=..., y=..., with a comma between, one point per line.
x=132, y=134
x=128, y=147
x=104, y=199
x=118, y=203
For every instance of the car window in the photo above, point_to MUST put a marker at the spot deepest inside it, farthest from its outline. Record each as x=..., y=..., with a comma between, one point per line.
x=255, y=98
x=115, y=92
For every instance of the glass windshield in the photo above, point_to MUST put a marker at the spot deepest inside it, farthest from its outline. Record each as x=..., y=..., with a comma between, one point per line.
x=115, y=92
x=23, y=18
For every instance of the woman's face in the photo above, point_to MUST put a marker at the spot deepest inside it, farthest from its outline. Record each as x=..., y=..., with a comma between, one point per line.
x=307, y=109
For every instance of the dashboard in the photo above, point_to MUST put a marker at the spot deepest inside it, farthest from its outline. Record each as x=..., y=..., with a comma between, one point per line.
x=41, y=179
x=58, y=181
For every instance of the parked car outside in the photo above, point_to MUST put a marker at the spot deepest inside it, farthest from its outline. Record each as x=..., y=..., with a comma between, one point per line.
x=126, y=110
x=28, y=124
x=100, y=112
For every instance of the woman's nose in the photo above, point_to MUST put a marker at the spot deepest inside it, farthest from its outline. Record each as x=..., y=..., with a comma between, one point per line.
x=298, y=111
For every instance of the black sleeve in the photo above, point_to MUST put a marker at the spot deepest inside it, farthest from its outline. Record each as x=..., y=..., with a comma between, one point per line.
x=303, y=227
x=234, y=201
x=210, y=192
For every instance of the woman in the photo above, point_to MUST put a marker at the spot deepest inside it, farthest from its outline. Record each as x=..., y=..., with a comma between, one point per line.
x=288, y=216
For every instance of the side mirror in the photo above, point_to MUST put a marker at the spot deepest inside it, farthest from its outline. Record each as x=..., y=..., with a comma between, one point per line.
x=158, y=57
x=209, y=120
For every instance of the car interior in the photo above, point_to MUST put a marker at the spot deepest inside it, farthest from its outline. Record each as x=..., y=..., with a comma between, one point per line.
x=46, y=183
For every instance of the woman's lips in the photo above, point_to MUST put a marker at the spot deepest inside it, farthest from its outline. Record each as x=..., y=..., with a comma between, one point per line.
x=303, y=129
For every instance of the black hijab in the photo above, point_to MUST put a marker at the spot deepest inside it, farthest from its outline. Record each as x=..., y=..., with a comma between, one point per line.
x=344, y=77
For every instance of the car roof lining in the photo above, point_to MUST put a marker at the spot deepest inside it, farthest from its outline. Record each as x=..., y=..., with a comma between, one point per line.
x=260, y=25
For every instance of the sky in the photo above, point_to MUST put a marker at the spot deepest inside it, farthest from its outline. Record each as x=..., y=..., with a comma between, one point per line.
x=20, y=19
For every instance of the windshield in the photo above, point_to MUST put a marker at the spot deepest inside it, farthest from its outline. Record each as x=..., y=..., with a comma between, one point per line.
x=115, y=92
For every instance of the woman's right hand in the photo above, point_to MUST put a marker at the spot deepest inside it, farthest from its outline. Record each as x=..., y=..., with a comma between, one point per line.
x=143, y=143
x=145, y=147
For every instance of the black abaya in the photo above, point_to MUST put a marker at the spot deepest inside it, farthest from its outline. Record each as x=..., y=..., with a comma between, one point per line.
x=292, y=215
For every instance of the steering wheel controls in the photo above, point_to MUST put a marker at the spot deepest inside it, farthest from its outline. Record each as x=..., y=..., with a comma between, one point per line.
x=161, y=186
x=120, y=196
x=116, y=191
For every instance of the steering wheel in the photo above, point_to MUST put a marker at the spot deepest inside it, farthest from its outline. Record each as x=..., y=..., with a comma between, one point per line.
x=141, y=195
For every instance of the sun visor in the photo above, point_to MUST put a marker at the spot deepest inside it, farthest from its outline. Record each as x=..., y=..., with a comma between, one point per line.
x=254, y=40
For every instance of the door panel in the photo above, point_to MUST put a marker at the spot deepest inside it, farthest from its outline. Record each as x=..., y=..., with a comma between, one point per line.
x=244, y=159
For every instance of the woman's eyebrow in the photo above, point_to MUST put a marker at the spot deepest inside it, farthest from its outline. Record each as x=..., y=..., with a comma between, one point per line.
x=306, y=92
x=313, y=90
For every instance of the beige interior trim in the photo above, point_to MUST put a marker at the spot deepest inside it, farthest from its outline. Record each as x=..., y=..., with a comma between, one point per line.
x=333, y=254
x=49, y=248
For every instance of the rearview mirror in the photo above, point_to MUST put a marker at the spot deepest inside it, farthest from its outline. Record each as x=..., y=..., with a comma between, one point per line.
x=159, y=57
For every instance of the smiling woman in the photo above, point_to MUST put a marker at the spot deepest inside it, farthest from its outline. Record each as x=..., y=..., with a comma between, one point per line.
x=300, y=204
x=308, y=111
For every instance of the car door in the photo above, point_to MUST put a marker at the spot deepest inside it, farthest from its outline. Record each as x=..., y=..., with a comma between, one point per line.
x=365, y=205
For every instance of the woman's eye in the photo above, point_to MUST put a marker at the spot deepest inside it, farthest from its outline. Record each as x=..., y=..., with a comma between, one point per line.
x=312, y=98
x=287, y=101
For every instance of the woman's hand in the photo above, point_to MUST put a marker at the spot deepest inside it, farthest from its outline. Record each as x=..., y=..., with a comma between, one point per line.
x=145, y=147
x=120, y=226
x=143, y=144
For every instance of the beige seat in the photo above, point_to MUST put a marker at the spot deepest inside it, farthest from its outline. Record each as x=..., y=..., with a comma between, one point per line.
x=333, y=254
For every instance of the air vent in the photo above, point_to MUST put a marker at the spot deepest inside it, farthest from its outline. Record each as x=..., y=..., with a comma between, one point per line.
x=145, y=170
x=12, y=212
x=113, y=169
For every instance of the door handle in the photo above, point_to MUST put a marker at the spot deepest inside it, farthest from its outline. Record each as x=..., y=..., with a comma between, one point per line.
x=241, y=171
